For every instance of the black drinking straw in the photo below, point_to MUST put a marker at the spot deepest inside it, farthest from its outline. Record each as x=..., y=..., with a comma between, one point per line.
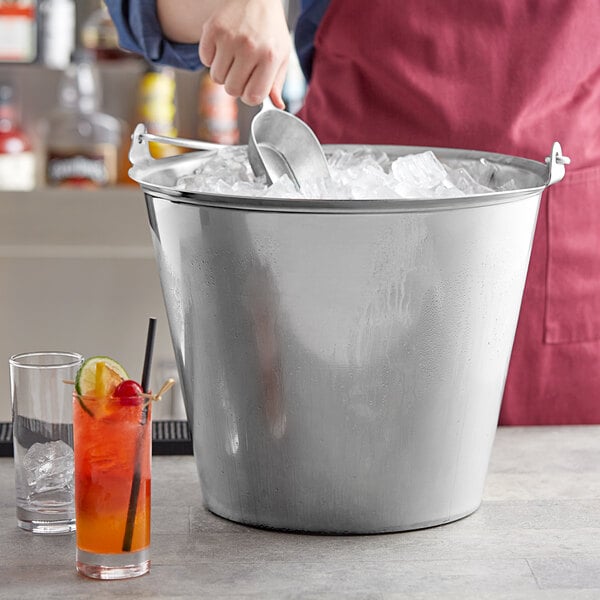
x=137, y=467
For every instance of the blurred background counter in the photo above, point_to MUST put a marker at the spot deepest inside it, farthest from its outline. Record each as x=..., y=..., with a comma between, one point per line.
x=77, y=269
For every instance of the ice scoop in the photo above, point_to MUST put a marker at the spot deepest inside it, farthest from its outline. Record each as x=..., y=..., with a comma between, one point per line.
x=282, y=144
x=279, y=144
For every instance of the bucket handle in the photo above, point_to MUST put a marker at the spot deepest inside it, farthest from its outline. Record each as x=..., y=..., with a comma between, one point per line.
x=139, y=153
x=556, y=164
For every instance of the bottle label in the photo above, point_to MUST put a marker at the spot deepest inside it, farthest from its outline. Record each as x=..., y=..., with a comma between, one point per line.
x=94, y=168
x=18, y=32
x=217, y=113
x=58, y=33
x=17, y=171
x=157, y=110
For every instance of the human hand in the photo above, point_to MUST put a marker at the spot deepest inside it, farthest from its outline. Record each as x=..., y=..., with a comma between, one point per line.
x=246, y=44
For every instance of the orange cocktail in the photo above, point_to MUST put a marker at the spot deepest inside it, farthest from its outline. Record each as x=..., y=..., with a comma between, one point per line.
x=112, y=442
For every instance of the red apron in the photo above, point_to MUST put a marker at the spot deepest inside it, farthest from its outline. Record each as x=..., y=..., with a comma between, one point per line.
x=508, y=76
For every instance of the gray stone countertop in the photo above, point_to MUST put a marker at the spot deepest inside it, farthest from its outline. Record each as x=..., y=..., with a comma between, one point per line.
x=536, y=535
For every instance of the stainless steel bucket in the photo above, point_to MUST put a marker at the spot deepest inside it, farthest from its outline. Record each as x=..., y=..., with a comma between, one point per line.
x=343, y=362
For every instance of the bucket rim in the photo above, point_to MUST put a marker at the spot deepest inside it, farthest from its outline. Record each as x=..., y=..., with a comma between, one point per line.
x=149, y=175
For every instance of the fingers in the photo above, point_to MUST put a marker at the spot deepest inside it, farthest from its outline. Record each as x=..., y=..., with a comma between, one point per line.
x=276, y=99
x=276, y=90
x=236, y=80
x=247, y=46
x=221, y=65
x=264, y=78
x=207, y=49
x=252, y=81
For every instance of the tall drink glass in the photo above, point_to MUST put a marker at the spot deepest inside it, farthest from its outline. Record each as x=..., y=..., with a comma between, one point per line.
x=43, y=439
x=113, y=448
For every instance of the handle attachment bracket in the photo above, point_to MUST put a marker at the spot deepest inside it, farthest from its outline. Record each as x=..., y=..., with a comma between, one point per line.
x=556, y=164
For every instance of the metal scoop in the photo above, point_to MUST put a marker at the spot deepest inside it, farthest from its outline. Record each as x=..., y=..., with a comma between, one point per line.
x=279, y=144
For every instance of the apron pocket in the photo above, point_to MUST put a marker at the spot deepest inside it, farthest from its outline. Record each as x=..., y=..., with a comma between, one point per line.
x=573, y=275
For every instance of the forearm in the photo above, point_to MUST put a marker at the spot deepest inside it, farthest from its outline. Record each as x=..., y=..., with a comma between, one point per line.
x=182, y=20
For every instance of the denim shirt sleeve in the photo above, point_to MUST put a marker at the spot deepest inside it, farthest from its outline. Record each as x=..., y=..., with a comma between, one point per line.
x=139, y=32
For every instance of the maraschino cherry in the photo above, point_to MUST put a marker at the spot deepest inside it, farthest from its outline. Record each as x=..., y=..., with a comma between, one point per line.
x=129, y=392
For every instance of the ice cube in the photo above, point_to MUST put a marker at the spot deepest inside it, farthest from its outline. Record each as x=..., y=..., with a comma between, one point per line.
x=190, y=183
x=482, y=170
x=332, y=188
x=507, y=186
x=368, y=182
x=283, y=188
x=224, y=167
x=49, y=467
x=466, y=184
x=359, y=172
x=342, y=159
x=416, y=174
x=248, y=188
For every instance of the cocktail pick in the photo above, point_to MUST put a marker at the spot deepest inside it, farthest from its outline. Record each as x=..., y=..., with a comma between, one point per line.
x=137, y=467
x=166, y=386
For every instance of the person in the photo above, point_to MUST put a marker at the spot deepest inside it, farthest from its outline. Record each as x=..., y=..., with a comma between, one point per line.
x=504, y=76
x=245, y=44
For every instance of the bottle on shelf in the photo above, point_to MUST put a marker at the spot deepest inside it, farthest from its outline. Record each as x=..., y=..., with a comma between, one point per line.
x=157, y=107
x=18, y=31
x=57, y=39
x=17, y=160
x=82, y=143
x=99, y=35
x=217, y=113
